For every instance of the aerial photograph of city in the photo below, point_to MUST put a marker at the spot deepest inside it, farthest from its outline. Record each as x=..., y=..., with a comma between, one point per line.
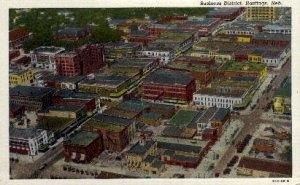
x=110, y=93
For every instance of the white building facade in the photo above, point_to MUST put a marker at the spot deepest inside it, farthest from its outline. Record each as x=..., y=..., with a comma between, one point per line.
x=44, y=57
x=277, y=59
x=27, y=141
x=205, y=100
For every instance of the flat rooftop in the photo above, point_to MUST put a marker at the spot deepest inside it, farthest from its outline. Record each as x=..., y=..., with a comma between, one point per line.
x=121, y=45
x=24, y=133
x=173, y=36
x=201, y=21
x=30, y=91
x=54, y=123
x=266, y=165
x=272, y=36
x=83, y=138
x=242, y=66
x=132, y=62
x=66, y=93
x=106, y=80
x=184, y=117
x=48, y=50
x=168, y=77
x=189, y=66
x=235, y=88
x=105, y=125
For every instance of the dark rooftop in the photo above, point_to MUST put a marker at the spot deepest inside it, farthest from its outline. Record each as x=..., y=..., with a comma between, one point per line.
x=112, y=119
x=133, y=105
x=185, y=158
x=106, y=80
x=149, y=159
x=66, y=93
x=168, y=77
x=83, y=138
x=65, y=108
x=141, y=149
x=132, y=62
x=24, y=133
x=151, y=115
x=73, y=79
x=179, y=147
x=271, y=36
x=29, y=91
x=157, y=163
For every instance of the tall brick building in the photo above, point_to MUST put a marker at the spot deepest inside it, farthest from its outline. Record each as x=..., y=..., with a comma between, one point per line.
x=91, y=58
x=84, y=60
x=68, y=64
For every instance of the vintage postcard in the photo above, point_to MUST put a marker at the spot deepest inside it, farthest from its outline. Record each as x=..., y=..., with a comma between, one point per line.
x=146, y=93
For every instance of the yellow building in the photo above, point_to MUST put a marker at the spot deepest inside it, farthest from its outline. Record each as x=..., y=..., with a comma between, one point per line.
x=152, y=165
x=243, y=39
x=256, y=56
x=136, y=154
x=263, y=168
x=20, y=77
x=269, y=14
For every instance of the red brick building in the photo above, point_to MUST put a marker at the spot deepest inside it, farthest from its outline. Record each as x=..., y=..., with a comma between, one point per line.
x=69, y=97
x=267, y=39
x=169, y=85
x=68, y=64
x=240, y=56
x=83, y=147
x=17, y=37
x=84, y=60
x=139, y=36
x=91, y=58
x=210, y=134
x=116, y=131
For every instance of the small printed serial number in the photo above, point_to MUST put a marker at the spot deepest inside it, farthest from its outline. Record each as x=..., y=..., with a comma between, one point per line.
x=280, y=180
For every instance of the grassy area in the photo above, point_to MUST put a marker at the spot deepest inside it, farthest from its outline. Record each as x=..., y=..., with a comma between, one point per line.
x=183, y=117
x=54, y=123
